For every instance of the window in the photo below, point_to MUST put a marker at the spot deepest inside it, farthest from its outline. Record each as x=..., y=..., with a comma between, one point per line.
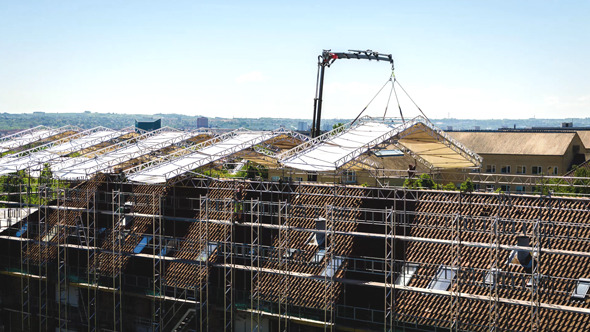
x=581, y=290
x=298, y=179
x=490, y=187
x=319, y=255
x=537, y=170
x=490, y=168
x=204, y=255
x=491, y=278
x=275, y=178
x=443, y=278
x=520, y=169
x=406, y=274
x=312, y=177
x=505, y=188
x=332, y=267
x=142, y=244
x=349, y=177
x=289, y=252
x=519, y=189
x=555, y=170
x=505, y=169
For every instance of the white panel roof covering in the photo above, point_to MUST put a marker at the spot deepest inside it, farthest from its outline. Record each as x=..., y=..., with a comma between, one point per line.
x=106, y=162
x=418, y=137
x=213, y=150
x=29, y=136
x=40, y=155
x=333, y=149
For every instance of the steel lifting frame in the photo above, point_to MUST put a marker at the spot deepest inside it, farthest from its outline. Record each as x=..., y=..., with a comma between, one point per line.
x=284, y=256
x=255, y=265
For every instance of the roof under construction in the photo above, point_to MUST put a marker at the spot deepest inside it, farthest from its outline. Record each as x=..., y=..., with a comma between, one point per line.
x=417, y=137
x=160, y=155
x=182, y=161
x=37, y=156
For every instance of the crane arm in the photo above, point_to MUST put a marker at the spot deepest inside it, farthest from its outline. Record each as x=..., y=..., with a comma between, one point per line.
x=326, y=59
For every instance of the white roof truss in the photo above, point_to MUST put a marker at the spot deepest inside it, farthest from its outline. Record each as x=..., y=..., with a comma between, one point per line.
x=162, y=169
x=32, y=135
x=123, y=152
x=42, y=154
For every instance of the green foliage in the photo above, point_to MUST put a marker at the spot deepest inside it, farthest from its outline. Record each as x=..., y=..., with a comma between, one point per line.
x=337, y=125
x=424, y=181
x=449, y=186
x=467, y=186
x=557, y=185
x=251, y=172
x=20, y=187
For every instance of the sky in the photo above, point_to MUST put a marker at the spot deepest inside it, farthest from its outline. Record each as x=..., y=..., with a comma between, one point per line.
x=461, y=59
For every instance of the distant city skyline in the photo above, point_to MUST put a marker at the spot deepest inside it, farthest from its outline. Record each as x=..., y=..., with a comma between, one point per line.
x=459, y=59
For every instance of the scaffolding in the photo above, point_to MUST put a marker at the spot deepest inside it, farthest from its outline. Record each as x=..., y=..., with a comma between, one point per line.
x=209, y=258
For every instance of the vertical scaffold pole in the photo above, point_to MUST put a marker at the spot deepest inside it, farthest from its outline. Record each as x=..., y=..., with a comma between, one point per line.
x=228, y=259
x=494, y=273
x=42, y=246
x=204, y=286
x=116, y=252
x=157, y=261
x=535, y=276
x=456, y=288
x=24, y=266
x=255, y=265
x=62, y=286
x=329, y=275
x=284, y=256
x=92, y=275
x=389, y=255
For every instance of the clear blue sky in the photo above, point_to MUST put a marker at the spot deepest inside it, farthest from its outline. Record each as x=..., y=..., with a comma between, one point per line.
x=466, y=59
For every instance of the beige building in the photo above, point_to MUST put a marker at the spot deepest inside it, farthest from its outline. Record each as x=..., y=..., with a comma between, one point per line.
x=525, y=153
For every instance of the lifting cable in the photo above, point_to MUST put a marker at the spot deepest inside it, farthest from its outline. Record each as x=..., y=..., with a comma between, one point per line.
x=418, y=107
x=396, y=98
x=393, y=80
x=375, y=96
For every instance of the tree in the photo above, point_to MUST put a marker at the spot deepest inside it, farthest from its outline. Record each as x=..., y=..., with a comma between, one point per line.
x=467, y=186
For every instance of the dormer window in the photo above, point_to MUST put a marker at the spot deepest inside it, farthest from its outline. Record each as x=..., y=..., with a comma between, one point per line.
x=406, y=274
x=206, y=253
x=443, y=279
x=491, y=278
x=333, y=266
x=582, y=287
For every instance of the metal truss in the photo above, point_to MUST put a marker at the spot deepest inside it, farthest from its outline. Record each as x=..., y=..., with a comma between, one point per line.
x=32, y=135
x=204, y=160
x=98, y=164
x=184, y=152
x=37, y=156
